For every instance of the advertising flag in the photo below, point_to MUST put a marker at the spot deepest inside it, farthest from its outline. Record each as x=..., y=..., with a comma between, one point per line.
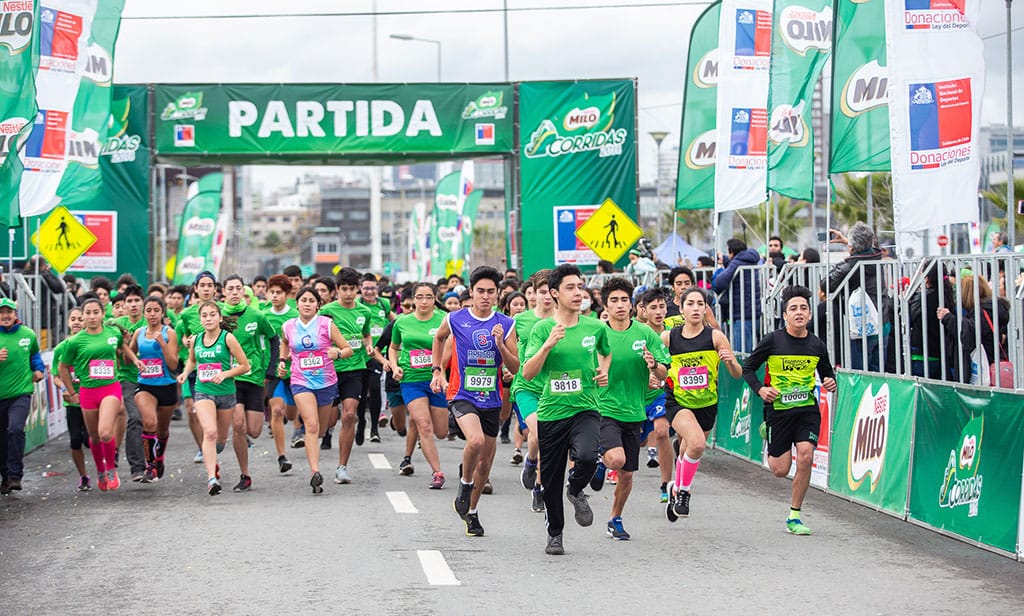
x=466, y=224
x=197, y=233
x=418, y=254
x=860, y=88
x=74, y=82
x=744, y=44
x=466, y=178
x=937, y=74
x=695, y=187
x=19, y=57
x=801, y=44
x=444, y=232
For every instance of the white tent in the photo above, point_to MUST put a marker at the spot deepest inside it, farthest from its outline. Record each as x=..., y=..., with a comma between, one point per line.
x=674, y=247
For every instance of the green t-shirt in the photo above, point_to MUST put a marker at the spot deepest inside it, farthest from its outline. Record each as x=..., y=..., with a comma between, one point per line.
x=16, y=371
x=277, y=321
x=625, y=398
x=524, y=325
x=127, y=372
x=58, y=355
x=415, y=342
x=93, y=357
x=569, y=370
x=209, y=361
x=354, y=325
x=253, y=333
x=378, y=318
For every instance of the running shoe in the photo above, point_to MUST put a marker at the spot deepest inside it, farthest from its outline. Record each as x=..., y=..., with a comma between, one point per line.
x=437, y=481
x=681, y=504
x=137, y=477
x=213, y=487
x=406, y=468
x=325, y=442
x=316, y=481
x=584, y=514
x=113, y=481
x=101, y=482
x=15, y=484
x=538, y=500
x=529, y=474
x=150, y=475
x=554, y=546
x=341, y=474
x=299, y=439
x=664, y=493
x=473, y=527
x=374, y=437
x=613, y=477
x=199, y=457
x=283, y=464
x=517, y=457
x=243, y=484
x=795, y=527
x=652, y=457
x=505, y=440
x=383, y=420
x=488, y=488
x=763, y=430
x=84, y=486
x=360, y=431
x=597, y=481
x=461, y=502
x=615, y=530
x=176, y=414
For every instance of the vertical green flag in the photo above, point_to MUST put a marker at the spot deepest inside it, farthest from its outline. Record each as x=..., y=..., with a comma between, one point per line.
x=801, y=43
x=198, y=225
x=695, y=187
x=19, y=57
x=444, y=231
x=466, y=224
x=860, y=81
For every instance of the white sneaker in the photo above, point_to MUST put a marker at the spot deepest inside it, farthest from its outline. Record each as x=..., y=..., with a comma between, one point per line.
x=341, y=475
x=199, y=457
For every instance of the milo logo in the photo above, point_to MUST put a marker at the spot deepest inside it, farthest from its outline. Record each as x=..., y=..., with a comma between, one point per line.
x=189, y=266
x=585, y=127
x=701, y=153
x=961, y=483
x=198, y=226
x=705, y=73
x=16, y=25
x=866, y=89
x=11, y=137
x=487, y=105
x=805, y=29
x=787, y=125
x=740, y=426
x=188, y=106
x=868, y=439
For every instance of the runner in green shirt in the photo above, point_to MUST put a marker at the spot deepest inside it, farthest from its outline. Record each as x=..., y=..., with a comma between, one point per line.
x=20, y=367
x=282, y=404
x=203, y=289
x=570, y=355
x=130, y=422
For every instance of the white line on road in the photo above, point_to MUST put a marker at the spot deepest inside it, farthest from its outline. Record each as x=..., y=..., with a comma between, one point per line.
x=401, y=503
x=379, y=461
x=437, y=570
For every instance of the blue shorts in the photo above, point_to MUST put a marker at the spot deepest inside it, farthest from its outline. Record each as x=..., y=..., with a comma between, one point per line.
x=421, y=389
x=395, y=399
x=324, y=396
x=284, y=391
x=655, y=410
x=519, y=417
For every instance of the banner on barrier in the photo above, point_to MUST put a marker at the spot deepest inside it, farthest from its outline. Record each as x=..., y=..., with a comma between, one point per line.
x=871, y=440
x=968, y=450
x=740, y=412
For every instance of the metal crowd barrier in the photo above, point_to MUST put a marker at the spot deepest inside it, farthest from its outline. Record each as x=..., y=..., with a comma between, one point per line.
x=33, y=296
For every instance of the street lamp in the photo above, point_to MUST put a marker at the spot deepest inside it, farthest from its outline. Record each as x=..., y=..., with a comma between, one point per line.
x=408, y=37
x=659, y=136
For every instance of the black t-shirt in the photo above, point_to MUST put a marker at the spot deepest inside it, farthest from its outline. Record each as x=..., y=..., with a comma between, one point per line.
x=791, y=365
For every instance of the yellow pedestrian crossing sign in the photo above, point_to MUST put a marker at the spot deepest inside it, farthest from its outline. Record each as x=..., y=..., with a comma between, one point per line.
x=62, y=238
x=609, y=232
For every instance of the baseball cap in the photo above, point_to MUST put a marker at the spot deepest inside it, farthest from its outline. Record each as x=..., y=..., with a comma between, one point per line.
x=8, y=303
x=205, y=274
x=634, y=251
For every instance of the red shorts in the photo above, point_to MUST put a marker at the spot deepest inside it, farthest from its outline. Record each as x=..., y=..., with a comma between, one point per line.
x=89, y=398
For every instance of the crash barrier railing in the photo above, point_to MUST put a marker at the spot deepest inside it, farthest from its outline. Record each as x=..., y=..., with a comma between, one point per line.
x=943, y=456
x=40, y=309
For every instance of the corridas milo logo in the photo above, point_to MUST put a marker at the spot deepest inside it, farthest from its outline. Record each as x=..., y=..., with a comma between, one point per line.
x=740, y=426
x=868, y=439
x=188, y=106
x=961, y=484
x=487, y=105
x=584, y=126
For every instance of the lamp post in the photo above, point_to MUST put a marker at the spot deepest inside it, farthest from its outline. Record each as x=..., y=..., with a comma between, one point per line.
x=659, y=136
x=407, y=37
x=1011, y=207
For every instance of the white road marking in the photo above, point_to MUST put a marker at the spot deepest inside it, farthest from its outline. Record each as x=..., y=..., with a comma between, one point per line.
x=437, y=570
x=379, y=461
x=401, y=503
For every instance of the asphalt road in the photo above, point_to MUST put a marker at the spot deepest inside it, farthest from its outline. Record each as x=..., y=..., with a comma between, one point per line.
x=170, y=548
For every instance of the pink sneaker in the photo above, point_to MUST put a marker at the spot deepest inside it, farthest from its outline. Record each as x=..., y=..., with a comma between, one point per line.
x=437, y=482
x=113, y=481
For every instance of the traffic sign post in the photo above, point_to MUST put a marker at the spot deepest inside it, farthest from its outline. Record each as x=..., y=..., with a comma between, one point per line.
x=609, y=232
x=62, y=239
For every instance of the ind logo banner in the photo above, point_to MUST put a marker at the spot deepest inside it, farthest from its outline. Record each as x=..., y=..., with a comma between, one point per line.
x=940, y=123
x=753, y=40
x=748, y=142
x=935, y=15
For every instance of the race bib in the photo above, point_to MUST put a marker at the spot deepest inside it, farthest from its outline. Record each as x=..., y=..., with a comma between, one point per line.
x=309, y=361
x=355, y=343
x=421, y=358
x=693, y=377
x=207, y=372
x=795, y=397
x=151, y=368
x=481, y=379
x=566, y=383
x=376, y=331
x=101, y=369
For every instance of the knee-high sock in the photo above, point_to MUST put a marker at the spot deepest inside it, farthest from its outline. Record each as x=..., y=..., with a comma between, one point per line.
x=97, y=456
x=108, y=453
x=149, y=444
x=686, y=468
x=160, y=449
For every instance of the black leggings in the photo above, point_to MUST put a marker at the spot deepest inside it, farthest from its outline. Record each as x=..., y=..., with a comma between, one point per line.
x=77, y=433
x=578, y=437
x=370, y=400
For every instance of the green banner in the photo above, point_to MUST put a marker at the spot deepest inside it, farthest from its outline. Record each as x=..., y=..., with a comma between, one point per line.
x=872, y=429
x=325, y=122
x=695, y=188
x=467, y=223
x=740, y=413
x=801, y=44
x=577, y=147
x=968, y=449
x=444, y=222
x=860, y=80
x=19, y=57
x=198, y=227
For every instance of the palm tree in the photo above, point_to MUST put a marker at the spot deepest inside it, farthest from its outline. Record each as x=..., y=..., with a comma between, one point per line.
x=997, y=196
x=851, y=200
x=792, y=219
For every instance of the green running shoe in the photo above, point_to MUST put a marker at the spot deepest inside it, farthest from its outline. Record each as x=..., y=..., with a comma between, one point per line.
x=795, y=527
x=763, y=430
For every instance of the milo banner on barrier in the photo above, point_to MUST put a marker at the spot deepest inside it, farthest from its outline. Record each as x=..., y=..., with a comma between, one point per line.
x=871, y=438
x=740, y=413
x=968, y=449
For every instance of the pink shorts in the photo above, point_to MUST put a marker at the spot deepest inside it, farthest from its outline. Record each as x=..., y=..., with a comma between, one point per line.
x=89, y=398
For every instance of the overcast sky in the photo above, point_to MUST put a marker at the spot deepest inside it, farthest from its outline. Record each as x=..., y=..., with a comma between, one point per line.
x=547, y=39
